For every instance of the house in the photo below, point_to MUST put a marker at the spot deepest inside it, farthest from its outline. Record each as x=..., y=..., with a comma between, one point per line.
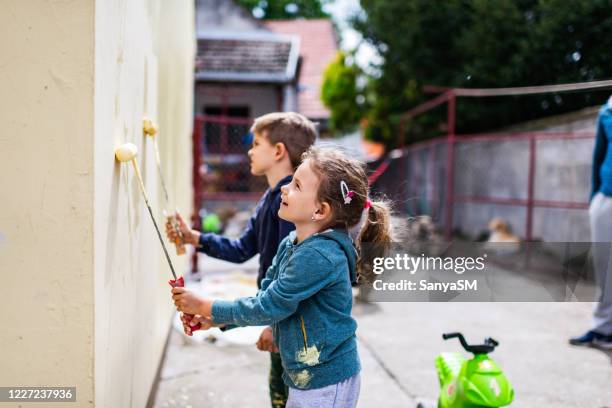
x=246, y=68
x=318, y=47
x=242, y=68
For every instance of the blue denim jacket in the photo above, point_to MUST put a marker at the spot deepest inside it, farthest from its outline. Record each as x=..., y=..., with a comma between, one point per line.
x=602, y=155
x=306, y=296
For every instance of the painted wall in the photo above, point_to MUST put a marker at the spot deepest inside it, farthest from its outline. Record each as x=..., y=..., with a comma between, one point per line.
x=144, y=67
x=84, y=282
x=47, y=179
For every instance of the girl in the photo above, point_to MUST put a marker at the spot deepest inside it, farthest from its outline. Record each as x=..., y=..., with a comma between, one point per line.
x=306, y=294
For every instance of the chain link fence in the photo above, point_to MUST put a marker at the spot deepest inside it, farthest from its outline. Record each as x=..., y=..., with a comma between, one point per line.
x=220, y=155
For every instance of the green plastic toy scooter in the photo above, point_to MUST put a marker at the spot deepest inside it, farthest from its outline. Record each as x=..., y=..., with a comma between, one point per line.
x=474, y=383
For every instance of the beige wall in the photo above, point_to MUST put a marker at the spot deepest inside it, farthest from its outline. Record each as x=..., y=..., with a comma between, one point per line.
x=46, y=194
x=84, y=289
x=144, y=66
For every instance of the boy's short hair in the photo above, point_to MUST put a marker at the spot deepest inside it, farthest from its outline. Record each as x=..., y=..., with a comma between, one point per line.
x=295, y=131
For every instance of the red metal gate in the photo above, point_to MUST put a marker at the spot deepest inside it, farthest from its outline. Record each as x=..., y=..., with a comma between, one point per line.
x=221, y=166
x=441, y=197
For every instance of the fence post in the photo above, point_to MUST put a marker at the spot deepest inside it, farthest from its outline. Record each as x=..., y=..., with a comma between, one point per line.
x=431, y=175
x=450, y=171
x=530, y=187
x=198, y=124
x=403, y=165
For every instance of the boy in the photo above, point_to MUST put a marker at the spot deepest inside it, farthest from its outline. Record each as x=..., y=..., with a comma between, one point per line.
x=279, y=141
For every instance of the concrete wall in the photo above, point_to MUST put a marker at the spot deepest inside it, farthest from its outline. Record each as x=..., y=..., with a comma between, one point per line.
x=47, y=179
x=83, y=279
x=500, y=169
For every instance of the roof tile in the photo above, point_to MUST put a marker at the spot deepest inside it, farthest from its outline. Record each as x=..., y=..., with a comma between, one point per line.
x=236, y=56
x=317, y=48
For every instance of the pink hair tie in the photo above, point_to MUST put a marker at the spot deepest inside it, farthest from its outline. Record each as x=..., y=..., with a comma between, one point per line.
x=368, y=204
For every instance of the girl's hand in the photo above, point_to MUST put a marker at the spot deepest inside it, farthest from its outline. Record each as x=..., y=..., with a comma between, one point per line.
x=205, y=323
x=190, y=303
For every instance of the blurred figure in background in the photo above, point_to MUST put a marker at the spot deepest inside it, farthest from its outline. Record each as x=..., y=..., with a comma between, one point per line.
x=600, y=216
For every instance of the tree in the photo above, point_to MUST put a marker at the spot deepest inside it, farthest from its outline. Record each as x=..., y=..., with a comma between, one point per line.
x=340, y=94
x=479, y=43
x=285, y=9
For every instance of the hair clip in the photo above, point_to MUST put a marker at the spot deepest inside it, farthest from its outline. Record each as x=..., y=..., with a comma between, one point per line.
x=346, y=193
x=368, y=204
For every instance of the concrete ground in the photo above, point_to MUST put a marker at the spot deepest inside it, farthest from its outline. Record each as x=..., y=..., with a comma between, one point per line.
x=397, y=344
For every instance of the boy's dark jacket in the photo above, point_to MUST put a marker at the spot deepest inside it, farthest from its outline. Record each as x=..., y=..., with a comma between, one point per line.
x=262, y=235
x=307, y=298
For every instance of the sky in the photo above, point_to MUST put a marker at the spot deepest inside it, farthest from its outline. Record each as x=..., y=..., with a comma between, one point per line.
x=341, y=10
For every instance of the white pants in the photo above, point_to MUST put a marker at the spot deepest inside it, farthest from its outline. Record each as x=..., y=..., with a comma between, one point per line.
x=341, y=395
x=600, y=215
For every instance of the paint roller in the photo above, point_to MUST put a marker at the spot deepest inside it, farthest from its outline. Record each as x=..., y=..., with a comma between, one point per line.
x=128, y=152
x=150, y=129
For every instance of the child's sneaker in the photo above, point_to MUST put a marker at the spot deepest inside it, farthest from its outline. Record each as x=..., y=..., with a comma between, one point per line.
x=603, y=342
x=586, y=339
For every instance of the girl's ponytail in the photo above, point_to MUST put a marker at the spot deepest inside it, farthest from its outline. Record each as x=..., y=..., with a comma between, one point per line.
x=376, y=234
